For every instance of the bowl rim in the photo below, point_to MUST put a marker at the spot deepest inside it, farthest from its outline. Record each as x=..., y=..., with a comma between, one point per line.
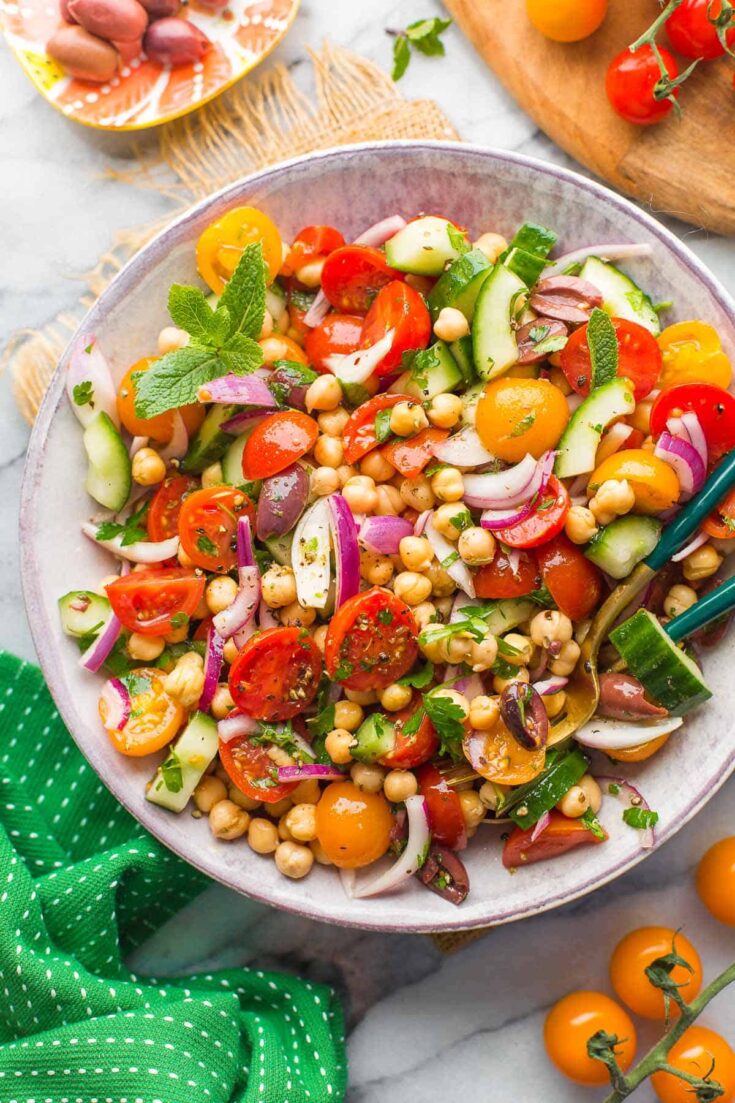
x=39, y=617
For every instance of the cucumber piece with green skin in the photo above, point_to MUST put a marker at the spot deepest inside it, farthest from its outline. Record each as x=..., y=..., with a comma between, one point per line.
x=187, y=760
x=528, y=266
x=623, y=543
x=578, y=446
x=461, y=350
x=110, y=472
x=210, y=442
x=434, y=375
x=375, y=737
x=509, y=612
x=82, y=612
x=460, y=285
x=276, y=301
x=666, y=672
x=279, y=547
x=494, y=344
x=539, y=796
x=470, y=398
x=424, y=246
x=232, y=465
x=532, y=238
x=621, y=297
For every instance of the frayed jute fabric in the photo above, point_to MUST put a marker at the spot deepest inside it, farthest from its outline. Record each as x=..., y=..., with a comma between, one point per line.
x=258, y=123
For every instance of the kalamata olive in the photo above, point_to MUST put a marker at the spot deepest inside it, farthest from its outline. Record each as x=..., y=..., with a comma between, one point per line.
x=524, y=714
x=622, y=698
x=289, y=387
x=445, y=874
x=115, y=20
x=538, y=339
x=566, y=298
x=83, y=55
x=159, y=9
x=282, y=500
x=174, y=41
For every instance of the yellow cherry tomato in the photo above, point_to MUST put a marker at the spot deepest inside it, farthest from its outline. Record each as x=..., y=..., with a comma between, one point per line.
x=516, y=416
x=566, y=20
x=716, y=880
x=632, y=956
x=160, y=428
x=696, y=1052
x=692, y=353
x=572, y=1022
x=352, y=826
x=498, y=756
x=222, y=244
x=154, y=717
x=641, y=752
x=654, y=483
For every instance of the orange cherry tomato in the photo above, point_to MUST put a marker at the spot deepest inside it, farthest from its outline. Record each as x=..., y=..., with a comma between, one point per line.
x=721, y=521
x=632, y=956
x=716, y=880
x=498, y=756
x=504, y=578
x=160, y=428
x=154, y=718
x=447, y=823
x=309, y=243
x=146, y=601
x=654, y=482
x=359, y=432
x=208, y=526
x=400, y=309
x=277, y=442
x=641, y=752
x=336, y=335
x=353, y=275
x=352, y=826
x=574, y=582
x=572, y=1022
x=410, y=751
x=517, y=416
x=165, y=507
x=546, y=521
x=699, y=1052
x=411, y=455
x=222, y=244
x=371, y=641
x=252, y=771
x=276, y=675
x=692, y=353
x=639, y=358
x=566, y=20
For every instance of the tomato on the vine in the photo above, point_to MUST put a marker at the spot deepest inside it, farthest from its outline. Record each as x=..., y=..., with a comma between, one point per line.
x=692, y=32
x=276, y=675
x=632, y=82
x=716, y=880
x=337, y=334
x=572, y=1022
x=639, y=358
x=699, y=1052
x=400, y=309
x=633, y=955
x=566, y=20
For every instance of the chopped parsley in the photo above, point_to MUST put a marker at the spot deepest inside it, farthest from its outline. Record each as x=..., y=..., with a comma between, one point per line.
x=524, y=425
x=448, y=720
x=457, y=239
x=178, y=620
x=640, y=818
x=205, y=545
x=172, y=773
x=385, y=616
x=132, y=531
x=382, y=426
x=83, y=393
x=343, y=671
x=419, y=679
x=461, y=521
x=591, y=822
x=445, y=564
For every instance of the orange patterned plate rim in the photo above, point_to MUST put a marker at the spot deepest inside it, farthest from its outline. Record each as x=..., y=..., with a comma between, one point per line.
x=144, y=94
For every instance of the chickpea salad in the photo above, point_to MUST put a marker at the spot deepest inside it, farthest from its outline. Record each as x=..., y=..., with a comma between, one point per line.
x=362, y=504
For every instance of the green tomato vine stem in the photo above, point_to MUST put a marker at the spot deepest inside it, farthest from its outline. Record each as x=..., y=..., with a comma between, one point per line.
x=666, y=85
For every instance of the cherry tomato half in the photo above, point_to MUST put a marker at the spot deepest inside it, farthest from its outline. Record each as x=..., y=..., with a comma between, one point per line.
x=353, y=275
x=572, y=1022
x=575, y=583
x=714, y=407
x=566, y=20
x=163, y=515
x=410, y=751
x=337, y=334
x=639, y=358
x=721, y=522
x=371, y=641
x=160, y=428
x=411, y=455
x=506, y=578
x=208, y=526
x=498, y=756
x=699, y=1052
x=222, y=244
x=546, y=521
x=359, y=432
x=353, y=826
x=692, y=33
x=692, y=353
x=631, y=84
x=311, y=242
x=276, y=675
x=145, y=601
x=633, y=955
x=560, y=835
x=445, y=811
x=154, y=717
x=399, y=308
x=278, y=442
x=252, y=771
x=716, y=880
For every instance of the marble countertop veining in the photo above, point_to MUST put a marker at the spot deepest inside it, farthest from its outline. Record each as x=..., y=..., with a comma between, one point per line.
x=424, y=1027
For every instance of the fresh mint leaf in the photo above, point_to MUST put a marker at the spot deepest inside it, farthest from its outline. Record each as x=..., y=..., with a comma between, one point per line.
x=603, y=345
x=244, y=293
x=83, y=394
x=241, y=355
x=191, y=312
x=555, y=343
x=401, y=56
x=422, y=35
x=171, y=772
x=174, y=380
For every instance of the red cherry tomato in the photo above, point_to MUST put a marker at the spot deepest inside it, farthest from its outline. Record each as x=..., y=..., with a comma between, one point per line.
x=411, y=455
x=252, y=771
x=503, y=578
x=278, y=442
x=276, y=675
x=337, y=334
x=546, y=521
x=353, y=275
x=371, y=641
x=163, y=515
x=401, y=309
x=639, y=358
x=208, y=526
x=714, y=407
x=721, y=521
x=445, y=812
x=575, y=583
x=410, y=751
x=145, y=601
x=692, y=33
x=312, y=241
x=631, y=84
x=359, y=432
x=560, y=835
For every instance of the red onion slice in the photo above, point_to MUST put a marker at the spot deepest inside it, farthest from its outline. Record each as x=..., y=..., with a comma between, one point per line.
x=549, y=686
x=700, y=539
x=693, y=426
x=212, y=667
x=540, y=826
x=381, y=232
x=177, y=446
x=88, y=365
x=117, y=698
x=96, y=653
x=357, y=367
x=310, y=555
x=239, y=423
x=686, y=462
x=618, y=251
x=495, y=520
x=236, y=616
x=316, y=770
x=245, y=551
x=420, y=522
x=143, y=551
x=463, y=449
x=346, y=548
x=605, y=734
x=410, y=860
x=235, y=725
x=449, y=560
x=266, y=617
x=503, y=489
x=630, y=797
x=384, y=534
x=244, y=390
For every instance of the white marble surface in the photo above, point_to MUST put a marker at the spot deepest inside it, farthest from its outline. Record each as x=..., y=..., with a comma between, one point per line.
x=423, y=1027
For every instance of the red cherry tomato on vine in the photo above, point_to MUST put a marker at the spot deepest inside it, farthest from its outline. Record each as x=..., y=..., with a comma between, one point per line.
x=353, y=275
x=401, y=309
x=276, y=675
x=631, y=83
x=337, y=334
x=692, y=33
x=278, y=442
x=714, y=407
x=639, y=358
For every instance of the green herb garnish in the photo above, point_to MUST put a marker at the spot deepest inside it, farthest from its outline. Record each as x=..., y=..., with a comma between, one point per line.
x=83, y=394
x=423, y=35
x=640, y=818
x=132, y=531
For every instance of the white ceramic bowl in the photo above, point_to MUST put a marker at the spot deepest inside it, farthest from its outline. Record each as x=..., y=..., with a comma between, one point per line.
x=352, y=188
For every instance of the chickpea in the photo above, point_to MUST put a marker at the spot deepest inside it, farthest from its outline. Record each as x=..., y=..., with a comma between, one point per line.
x=407, y=418
x=580, y=525
x=222, y=701
x=389, y=501
x=701, y=563
x=411, y=587
x=230, y=651
x=293, y=860
x=451, y=324
x=451, y=519
x=360, y=494
x=177, y=635
x=209, y=792
x=444, y=410
x=348, y=715
x=282, y=827
x=377, y=467
x=148, y=467
x=296, y=615
x=613, y=498
x=332, y=422
x=416, y=553
x=280, y=807
x=310, y=274
x=476, y=546
x=456, y=650
x=325, y=393
x=679, y=599
x=395, y=697
x=172, y=338
x=278, y=586
x=574, y=803
x=473, y=810
x=444, y=606
x=145, y=648
x=492, y=245
x=564, y=663
x=448, y=484
x=301, y=821
x=220, y=593
x=227, y=821
x=399, y=785
x=417, y=493
x=186, y=681
x=320, y=854
x=375, y=568
x=281, y=757
x=241, y=799
x=338, y=744
x=484, y=713
x=593, y=792
x=520, y=649
x=456, y=698
x=329, y=451
x=554, y=703
x=344, y=472
x=433, y=649
x=267, y=327
x=521, y=675
x=442, y=583
x=368, y=776
x=362, y=696
x=550, y=627
x=641, y=416
x=483, y=653
x=424, y=614
x=212, y=475
x=490, y=794
x=324, y=481
x=275, y=348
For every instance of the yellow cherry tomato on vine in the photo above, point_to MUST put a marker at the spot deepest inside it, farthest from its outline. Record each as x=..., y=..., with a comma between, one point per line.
x=516, y=416
x=654, y=483
x=223, y=242
x=353, y=826
x=692, y=353
x=632, y=956
x=572, y=1022
x=716, y=880
x=695, y=1053
x=566, y=20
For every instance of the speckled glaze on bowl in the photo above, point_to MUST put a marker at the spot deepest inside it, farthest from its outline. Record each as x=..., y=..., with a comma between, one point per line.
x=353, y=187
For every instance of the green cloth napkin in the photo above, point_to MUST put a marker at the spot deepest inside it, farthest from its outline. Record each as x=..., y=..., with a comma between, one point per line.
x=82, y=884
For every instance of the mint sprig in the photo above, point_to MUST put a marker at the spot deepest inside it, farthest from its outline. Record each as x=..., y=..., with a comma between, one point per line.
x=423, y=35
x=602, y=341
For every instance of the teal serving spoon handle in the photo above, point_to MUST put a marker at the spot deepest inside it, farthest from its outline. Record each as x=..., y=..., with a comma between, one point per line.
x=708, y=608
x=686, y=523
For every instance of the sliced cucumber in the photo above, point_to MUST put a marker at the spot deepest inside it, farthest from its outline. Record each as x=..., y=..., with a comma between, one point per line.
x=528, y=266
x=470, y=398
x=666, y=672
x=276, y=302
x=375, y=737
x=621, y=297
x=109, y=475
x=188, y=758
x=280, y=547
x=461, y=350
x=424, y=246
x=210, y=443
x=82, y=612
x=508, y=613
x=578, y=446
x=232, y=460
x=532, y=238
x=494, y=344
x=622, y=544
x=460, y=285
x=432, y=375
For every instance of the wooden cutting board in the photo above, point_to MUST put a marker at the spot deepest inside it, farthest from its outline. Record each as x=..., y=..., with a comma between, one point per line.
x=681, y=167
